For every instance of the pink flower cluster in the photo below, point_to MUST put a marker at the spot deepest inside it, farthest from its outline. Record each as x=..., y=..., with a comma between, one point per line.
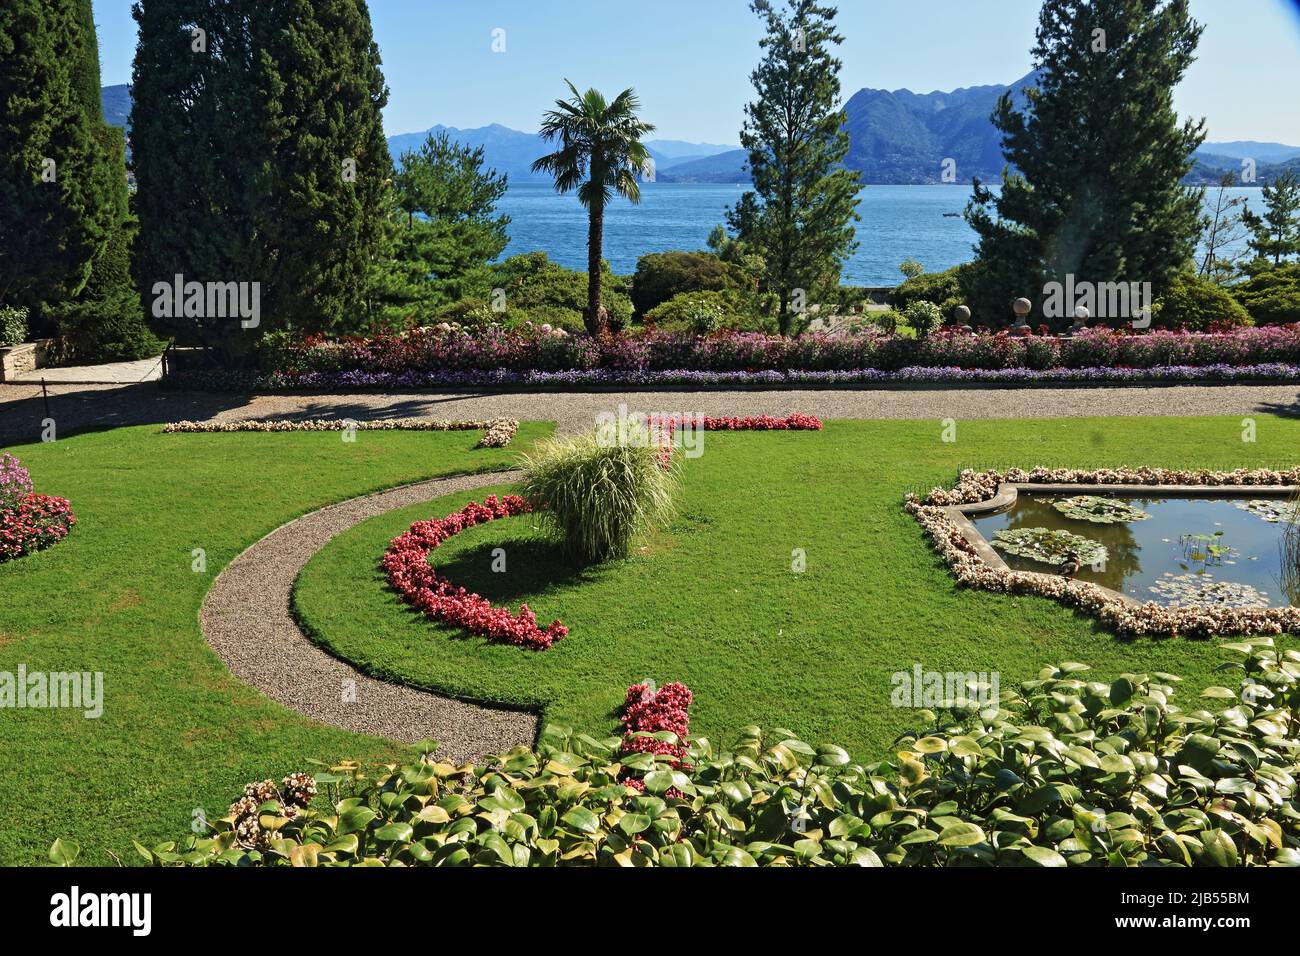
x=646, y=712
x=407, y=564
x=28, y=522
x=749, y=423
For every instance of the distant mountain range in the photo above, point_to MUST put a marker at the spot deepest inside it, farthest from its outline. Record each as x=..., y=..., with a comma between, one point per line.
x=895, y=137
x=512, y=152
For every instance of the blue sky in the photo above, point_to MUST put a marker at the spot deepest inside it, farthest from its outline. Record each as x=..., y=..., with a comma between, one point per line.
x=690, y=59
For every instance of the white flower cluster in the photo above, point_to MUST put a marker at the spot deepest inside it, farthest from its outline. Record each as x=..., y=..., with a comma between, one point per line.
x=1124, y=617
x=497, y=432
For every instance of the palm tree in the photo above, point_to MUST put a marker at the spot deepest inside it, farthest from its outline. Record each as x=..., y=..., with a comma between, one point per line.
x=600, y=154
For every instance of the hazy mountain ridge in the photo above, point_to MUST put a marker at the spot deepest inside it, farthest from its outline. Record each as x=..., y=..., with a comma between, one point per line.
x=895, y=137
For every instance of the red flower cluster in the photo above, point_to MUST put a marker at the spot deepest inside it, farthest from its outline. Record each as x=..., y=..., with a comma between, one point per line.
x=749, y=423
x=33, y=522
x=407, y=564
x=646, y=712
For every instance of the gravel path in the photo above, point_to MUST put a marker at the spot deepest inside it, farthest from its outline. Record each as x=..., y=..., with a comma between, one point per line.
x=246, y=619
x=22, y=408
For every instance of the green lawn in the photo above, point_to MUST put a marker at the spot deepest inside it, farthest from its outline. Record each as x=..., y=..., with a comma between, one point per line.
x=119, y=596
x=714, y=603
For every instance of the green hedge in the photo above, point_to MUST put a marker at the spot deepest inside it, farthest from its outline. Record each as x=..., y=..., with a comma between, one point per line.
x=1194, y=304
x=1271, y=297
x=662, y=275
x=1061, y=771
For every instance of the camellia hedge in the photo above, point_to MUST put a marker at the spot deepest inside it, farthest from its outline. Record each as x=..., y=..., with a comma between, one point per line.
x=1062, y=771
x=453, y=356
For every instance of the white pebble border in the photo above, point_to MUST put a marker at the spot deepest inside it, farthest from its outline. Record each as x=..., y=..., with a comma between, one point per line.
x=1126, y=617
x=497, y=432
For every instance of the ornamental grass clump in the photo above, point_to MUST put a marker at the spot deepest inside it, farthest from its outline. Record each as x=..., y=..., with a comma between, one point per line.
x=599, y=491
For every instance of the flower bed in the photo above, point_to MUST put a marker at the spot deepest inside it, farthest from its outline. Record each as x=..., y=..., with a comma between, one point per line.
x=796, y=421
x=656, y=722
x=1125, y=617
x=497, y=350
x=497, y=432
x=29, y=522
x=407, y=564
x=580, y=378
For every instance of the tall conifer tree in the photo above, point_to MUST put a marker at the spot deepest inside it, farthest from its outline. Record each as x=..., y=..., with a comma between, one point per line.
x=1099, y=155
x=803, y=227
x=259, y=155
x=105, y=321
x=55, y=208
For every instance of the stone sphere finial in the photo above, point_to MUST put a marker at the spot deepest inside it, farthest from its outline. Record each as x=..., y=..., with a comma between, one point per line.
x=1082, y=313
x=1022, y=307
x=961, y=314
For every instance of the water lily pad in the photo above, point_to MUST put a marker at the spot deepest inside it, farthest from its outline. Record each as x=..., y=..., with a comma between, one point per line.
x=1099, y=509
x=1202, y=590
x=1048, y=546
x=1272, y=510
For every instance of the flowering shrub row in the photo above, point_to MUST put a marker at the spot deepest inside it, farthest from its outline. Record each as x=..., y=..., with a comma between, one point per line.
x=28, y=521
x=407, y=565
x=498, y=350
x=748, y=423
x=582, y=378
x=1125, y=616
x=497, y=431
x=971, y=786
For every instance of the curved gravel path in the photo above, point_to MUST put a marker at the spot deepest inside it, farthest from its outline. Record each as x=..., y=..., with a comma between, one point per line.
x=247, y=620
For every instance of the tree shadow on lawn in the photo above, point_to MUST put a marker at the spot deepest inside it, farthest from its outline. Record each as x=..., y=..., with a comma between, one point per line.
x=535, y=567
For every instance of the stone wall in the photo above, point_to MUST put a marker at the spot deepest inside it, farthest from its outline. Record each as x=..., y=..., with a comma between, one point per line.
x=27, y=357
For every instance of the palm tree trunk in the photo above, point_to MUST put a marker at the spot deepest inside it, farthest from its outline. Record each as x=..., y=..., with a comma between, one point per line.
x=594, y=318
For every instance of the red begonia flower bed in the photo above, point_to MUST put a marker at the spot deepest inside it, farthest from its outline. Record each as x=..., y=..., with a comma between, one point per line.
x=647, y=711
x=407, y=564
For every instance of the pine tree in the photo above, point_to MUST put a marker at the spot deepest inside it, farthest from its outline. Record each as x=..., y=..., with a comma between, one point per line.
x=54, y=189
x=803, y=228
x=1276, y=234
x=259, y=156
x=1099, y=156
x=448, y=203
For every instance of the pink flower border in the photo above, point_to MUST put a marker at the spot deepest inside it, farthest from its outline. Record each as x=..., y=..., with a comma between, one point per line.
x=407, y=564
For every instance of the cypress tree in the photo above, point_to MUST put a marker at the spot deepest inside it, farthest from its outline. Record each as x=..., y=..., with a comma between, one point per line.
x=1099, y=156
x=54, y=189
x=105, y=320
x=259, y=156
x=803, y=228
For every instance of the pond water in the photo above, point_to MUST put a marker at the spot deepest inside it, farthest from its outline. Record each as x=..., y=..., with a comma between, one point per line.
x=1187, y=551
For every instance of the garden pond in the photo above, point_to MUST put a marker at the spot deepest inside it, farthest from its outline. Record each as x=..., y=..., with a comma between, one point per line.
x=1176, y=551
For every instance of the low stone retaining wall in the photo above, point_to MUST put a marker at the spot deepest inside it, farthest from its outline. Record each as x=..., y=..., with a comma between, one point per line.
x=27, y=357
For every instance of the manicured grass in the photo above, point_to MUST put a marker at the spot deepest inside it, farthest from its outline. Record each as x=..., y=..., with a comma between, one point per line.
x=119, y=596
x=714, y=603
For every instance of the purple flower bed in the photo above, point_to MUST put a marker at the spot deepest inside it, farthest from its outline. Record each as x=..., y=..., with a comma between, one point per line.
x=577, y=378
x=446, y=357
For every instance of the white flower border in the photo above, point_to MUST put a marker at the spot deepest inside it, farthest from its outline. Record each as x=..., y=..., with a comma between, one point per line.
x=497, y=432
x=1125, y=616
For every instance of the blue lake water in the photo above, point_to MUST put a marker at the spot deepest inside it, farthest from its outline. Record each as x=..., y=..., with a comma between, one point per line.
x=897, y=222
